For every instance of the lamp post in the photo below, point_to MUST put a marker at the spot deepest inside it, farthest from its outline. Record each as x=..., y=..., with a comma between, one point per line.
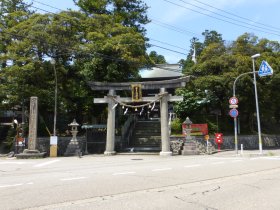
x=235, y=120
x=257, y=103
x=55, y=98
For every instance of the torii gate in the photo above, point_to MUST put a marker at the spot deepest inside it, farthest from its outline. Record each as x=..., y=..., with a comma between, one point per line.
x=136, y=87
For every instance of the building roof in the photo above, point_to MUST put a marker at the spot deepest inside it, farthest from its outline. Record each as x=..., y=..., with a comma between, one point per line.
x=162, y=71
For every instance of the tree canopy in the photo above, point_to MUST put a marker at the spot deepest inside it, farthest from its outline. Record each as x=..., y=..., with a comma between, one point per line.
x=218, y=64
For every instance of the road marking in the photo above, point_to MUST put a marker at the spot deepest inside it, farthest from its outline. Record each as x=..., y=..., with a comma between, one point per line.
x=257, y=158
x=191, y=166
x=217, y=163
x=124, y=173
x=235, y=161
x=46, y=163
x=30, y=183
x=271, y=158
x=162, y=169
x=11, y=185
x=74, y=178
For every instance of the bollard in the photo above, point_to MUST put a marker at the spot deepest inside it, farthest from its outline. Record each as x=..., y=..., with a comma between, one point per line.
x=241, y=149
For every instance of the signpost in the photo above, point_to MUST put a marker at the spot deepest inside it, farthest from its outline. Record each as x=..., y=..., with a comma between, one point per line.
x=206, y=137
x=233, y=101
x=233, y=113
x=265, y=69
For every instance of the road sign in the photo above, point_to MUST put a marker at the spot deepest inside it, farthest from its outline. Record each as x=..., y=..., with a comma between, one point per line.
x=233, y=106
x=265, y=69
x=233, y=113
x=233, y=100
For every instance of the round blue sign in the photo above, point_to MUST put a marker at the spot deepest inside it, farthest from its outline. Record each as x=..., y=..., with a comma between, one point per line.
x=233, y=112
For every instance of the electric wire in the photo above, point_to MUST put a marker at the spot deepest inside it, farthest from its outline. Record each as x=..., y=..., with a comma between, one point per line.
x=167, y=44
x=232, y=14
x=217, y=18
x=92, y=53
x=224, y=16
x=153, y=45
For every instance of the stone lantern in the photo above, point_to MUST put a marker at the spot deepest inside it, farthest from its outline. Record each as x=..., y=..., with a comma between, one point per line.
x=187, y=129
x=73, y=147
x=189, y=147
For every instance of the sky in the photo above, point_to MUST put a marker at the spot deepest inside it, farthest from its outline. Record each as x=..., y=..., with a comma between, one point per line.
x=175, y=22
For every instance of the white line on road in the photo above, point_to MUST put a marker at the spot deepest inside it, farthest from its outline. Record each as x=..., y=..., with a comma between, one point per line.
x=74, y=178
x=46, y=163
x=124, y=173
x=235, y=161
x=30, y=183
x=162, y=169
x=191, y=166
x=11, y=185
x=217, y=163
x=271, y=158
x=257, y=158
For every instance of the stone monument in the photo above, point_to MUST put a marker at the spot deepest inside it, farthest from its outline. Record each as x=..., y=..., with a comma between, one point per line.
x=32, y=152
x=190, y=147
x=73, y=147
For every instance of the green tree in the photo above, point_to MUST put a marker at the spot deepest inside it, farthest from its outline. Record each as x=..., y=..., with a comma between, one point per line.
x=156, y=58
x=217, y=67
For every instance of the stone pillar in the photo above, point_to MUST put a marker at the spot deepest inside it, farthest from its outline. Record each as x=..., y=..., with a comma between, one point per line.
x=32, y=152
x=110, y=140
x=165, y=139
x=33, y=121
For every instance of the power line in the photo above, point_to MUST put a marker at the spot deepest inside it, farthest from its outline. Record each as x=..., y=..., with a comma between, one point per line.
x=150, y=44
x=230, y=13
x=178, y=29
x=174, y=28
x=205, y=9
x=75, y=50
x=181, y=6
x=168, y=44
x=169, y=49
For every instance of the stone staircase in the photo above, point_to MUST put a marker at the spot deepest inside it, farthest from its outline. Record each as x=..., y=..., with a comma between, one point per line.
x=146, y=136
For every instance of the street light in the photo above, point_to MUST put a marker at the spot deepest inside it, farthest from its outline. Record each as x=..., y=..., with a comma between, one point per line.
x=257, y=103
x=55, y=98
x=235, y=120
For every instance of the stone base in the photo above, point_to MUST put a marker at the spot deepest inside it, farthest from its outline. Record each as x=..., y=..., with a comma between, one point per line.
x=107, y=153
x=165, y=153
x=31, y=154
x=72, y=150
x=190, y=148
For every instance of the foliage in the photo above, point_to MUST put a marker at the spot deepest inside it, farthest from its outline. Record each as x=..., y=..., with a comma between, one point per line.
x=217, y=67
x=176, y=126
x=92, y=44
x=156, y=58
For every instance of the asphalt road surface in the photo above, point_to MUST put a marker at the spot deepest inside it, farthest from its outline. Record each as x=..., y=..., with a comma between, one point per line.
x=146, y=182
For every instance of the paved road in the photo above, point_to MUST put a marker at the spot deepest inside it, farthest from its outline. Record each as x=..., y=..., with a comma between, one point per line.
x=220, y=181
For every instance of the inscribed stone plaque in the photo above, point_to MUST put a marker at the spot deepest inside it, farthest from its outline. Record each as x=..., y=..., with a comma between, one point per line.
x=33, y=119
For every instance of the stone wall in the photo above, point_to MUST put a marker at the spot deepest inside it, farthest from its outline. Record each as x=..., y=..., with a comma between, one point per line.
x=43, y=144
x=252, y=142
x=248, y=141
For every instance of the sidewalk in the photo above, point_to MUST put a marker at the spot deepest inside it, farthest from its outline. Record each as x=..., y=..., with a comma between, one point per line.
x=248, y=153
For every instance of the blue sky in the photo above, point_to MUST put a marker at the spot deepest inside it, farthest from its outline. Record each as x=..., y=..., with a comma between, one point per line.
x=175, y=22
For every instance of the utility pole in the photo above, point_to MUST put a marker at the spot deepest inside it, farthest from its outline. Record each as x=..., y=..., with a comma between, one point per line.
x=257, y=103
